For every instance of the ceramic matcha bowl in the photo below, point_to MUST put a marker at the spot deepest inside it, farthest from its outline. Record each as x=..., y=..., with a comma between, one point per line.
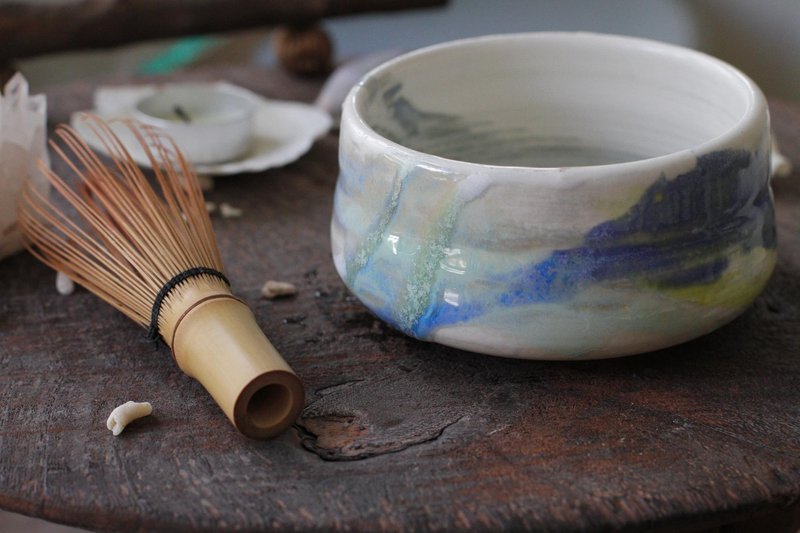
x=555, y=195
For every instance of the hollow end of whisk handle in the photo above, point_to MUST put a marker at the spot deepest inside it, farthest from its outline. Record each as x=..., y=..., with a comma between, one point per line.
x=268, y=405
x=219, y=343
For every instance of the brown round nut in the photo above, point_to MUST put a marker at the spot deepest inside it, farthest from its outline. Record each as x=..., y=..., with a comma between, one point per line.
x=304, y=50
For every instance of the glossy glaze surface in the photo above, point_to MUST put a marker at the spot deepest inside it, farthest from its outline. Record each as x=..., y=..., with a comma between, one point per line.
x=625, y=237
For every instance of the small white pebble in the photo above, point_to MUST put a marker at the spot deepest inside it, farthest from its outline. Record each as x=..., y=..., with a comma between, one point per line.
x=228, y=211
x=127, y=413
x=206, y=183
x=274, y=289
x=64, y=285
x=211, y=207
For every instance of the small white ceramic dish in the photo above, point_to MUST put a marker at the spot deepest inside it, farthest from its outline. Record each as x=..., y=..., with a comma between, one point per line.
x=210, y=124
x=555, y=195
x=282, y=130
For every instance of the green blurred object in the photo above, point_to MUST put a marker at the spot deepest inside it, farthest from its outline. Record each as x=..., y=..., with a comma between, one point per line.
x=183, y=52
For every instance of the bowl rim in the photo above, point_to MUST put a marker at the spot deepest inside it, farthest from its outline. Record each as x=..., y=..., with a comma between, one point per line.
x=245, y=113
x=755, y=111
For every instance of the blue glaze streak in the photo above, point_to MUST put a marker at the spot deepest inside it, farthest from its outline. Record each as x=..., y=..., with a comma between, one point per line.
x=675, y=236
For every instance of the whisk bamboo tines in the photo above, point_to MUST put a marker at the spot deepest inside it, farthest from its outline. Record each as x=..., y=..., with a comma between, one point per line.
x=146, y=246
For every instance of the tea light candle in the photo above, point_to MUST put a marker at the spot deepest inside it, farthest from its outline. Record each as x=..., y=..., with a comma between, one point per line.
x=208, y=123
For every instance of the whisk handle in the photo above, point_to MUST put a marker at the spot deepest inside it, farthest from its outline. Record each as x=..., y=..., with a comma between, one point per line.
x=218, y=342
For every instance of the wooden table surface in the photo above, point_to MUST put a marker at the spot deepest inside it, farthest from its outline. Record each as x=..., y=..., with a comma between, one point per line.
x=397, y=434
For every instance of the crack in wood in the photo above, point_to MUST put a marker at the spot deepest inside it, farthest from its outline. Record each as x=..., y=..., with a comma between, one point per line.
x=350, y=448
x=322, y=391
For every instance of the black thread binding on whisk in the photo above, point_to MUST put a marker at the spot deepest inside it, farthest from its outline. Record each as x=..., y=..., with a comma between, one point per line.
x=152, y=331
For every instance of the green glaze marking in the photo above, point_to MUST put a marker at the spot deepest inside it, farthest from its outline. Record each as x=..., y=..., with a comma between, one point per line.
x=376, y=236
x=417, y=295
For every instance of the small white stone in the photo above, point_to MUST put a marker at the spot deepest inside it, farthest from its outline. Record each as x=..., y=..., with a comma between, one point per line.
x=274, y=289
x=228, y=211
x=206, y=183
x=64, y=285
x=211, y=207
x=125, y=414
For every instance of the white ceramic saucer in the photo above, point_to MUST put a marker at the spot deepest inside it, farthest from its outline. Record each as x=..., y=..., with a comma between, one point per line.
x=283, y=131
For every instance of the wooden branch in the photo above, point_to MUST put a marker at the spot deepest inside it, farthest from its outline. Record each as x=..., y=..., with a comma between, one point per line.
x=31, y=29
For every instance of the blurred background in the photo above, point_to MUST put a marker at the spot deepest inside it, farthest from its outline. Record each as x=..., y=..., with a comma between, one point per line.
x=760, y=37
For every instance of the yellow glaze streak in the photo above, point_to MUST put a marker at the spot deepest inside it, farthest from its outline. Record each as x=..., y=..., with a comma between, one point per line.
x=742, y=282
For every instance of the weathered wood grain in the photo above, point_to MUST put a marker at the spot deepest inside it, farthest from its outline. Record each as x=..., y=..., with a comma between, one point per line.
x=397, y=434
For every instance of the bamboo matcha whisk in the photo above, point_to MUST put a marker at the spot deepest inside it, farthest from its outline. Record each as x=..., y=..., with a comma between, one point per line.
x=149, y=250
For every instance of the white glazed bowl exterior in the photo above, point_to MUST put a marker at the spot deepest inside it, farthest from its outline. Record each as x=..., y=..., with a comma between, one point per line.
x=222, y=131
x=554, y=262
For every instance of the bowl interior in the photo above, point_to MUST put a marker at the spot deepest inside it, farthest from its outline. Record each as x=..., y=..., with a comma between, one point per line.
x=195, y=105
x=553, y=100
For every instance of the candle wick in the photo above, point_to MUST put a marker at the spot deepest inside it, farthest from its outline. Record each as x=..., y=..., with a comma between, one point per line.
x=181, y=114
